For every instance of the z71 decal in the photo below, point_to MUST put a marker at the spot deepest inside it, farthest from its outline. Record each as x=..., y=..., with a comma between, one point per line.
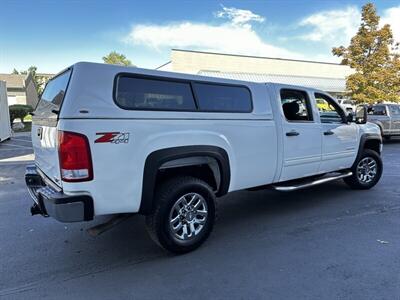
x=112, y=137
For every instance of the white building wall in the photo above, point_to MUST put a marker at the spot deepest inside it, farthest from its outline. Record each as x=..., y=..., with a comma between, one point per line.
x=193, y=62
x=5, y=126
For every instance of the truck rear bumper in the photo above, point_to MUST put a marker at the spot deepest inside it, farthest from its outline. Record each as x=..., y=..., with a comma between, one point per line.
x=54, y=203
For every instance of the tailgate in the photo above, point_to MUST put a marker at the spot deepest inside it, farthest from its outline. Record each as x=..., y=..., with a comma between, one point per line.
x=44, y=141
x=44, y=126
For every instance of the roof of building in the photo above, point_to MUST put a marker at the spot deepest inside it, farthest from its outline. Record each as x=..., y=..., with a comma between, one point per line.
x=335, y=85
x=14, y=80
x=164, y=66
x=45, y=75
x=262, y=57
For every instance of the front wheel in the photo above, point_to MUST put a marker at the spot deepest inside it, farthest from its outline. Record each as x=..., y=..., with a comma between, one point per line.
x=184, y=214
x=366, y=171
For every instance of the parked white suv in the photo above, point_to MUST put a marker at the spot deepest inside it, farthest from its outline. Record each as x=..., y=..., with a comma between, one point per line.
x=348, y=105
x=115, y=140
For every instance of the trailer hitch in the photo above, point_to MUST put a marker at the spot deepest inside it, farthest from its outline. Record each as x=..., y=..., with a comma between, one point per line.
x=35, y=210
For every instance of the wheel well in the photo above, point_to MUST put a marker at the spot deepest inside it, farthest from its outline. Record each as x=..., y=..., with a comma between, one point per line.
x=208, y=163
x=203, y=172
x=380, y=128
x=372, y=145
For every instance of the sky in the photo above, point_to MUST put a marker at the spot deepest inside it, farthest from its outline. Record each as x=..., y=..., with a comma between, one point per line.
x=55, y=34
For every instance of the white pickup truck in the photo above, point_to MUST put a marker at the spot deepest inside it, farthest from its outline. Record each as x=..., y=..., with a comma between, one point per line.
x=116, y=140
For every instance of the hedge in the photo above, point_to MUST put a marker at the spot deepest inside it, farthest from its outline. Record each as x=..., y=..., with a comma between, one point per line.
x=19, y=111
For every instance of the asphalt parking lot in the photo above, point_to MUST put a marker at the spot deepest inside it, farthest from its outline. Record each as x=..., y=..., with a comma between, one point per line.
x=327, y=242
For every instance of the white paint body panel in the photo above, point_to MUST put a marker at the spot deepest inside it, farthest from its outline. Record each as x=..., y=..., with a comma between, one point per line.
x=118, y=169
x=340, y=149
x=259, y=151
x=45, y=145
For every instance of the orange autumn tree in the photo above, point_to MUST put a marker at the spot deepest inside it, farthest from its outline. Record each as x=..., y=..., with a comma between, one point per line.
x=373, y=54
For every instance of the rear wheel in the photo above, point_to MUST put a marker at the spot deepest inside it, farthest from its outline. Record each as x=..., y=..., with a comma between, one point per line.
x=184, y=214
x=366, y=171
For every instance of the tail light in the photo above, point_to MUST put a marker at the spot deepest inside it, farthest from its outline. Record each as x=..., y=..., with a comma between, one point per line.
x=75, y=157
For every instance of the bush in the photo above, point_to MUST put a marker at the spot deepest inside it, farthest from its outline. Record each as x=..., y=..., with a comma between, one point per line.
x=19, y=111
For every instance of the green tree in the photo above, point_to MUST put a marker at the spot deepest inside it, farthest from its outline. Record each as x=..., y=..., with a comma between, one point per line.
x=372, y=54
x=115, y=58
x=39, y=84
x=32, y=70
x=40, y=81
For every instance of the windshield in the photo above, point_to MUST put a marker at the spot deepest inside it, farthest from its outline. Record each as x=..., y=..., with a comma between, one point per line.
x=377, y=110
x=53, y=96
x=348, y=102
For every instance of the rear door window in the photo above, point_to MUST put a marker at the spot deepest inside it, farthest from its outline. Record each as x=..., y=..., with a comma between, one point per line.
x=153, y=94
x=395, y=110
x=53, y=96
x=222, y=98
x=296, y=105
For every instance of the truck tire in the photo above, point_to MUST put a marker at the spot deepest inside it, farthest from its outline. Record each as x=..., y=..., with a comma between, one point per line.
x=366, y=171
x=184, y=214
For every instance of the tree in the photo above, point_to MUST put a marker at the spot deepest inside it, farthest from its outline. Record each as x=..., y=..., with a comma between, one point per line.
x=32, y=70
x=115, y=58
x=372, y=54
x=40, y=81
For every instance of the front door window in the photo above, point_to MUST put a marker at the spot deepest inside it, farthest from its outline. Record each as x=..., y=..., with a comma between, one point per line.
x=329, y=110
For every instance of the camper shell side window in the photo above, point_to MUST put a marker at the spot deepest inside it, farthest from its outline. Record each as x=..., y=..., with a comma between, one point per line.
x=141, y=92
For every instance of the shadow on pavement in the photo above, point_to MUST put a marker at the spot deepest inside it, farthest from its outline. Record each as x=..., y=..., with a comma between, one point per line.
x=19, y=145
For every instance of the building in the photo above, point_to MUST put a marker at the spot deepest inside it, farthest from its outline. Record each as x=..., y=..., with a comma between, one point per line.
x=329, y=77
x=20, y=89
x=5, y=126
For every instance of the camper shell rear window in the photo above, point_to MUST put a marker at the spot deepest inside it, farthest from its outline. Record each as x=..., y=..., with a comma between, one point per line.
x=142, y=92
x=53, y=96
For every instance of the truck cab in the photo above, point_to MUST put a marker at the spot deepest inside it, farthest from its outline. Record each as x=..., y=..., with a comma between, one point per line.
x=387, y=117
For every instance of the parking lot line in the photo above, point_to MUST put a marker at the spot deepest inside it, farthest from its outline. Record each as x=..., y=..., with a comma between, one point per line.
x=12, y=149
x=21, y=140
x=18, y=159
x=17, y=146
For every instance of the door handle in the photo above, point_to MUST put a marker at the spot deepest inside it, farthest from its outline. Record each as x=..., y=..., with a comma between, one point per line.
x=329, y=132
x=292, y=133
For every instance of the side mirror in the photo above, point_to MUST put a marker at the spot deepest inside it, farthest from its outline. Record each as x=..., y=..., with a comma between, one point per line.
x=361, y=114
